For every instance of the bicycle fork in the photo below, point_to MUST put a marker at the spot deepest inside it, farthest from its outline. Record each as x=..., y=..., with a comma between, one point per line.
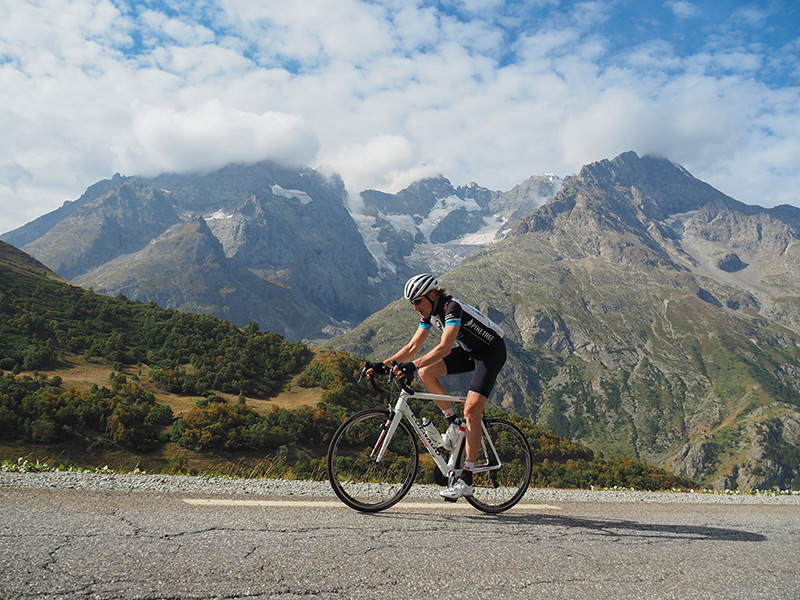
x=396, y=415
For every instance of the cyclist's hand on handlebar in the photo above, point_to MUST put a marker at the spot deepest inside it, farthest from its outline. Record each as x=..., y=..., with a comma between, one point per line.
x=371, y=369
x=405, y=370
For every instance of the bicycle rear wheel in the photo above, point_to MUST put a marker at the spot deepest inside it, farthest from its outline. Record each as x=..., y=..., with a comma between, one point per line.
x=358, y=480
x=500, y=489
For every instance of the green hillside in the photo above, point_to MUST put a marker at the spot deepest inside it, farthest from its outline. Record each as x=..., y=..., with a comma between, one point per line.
x=181, y=392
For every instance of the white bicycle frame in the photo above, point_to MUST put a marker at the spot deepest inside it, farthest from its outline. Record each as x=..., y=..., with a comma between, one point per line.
x=447, y=467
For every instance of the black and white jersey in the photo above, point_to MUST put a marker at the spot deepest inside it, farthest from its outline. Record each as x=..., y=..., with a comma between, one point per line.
x=476, y=331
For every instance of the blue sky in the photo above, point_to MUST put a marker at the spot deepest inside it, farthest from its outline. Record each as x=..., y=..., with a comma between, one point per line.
x=384, y=92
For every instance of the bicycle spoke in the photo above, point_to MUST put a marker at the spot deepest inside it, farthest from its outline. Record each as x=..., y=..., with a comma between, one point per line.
x=358, y=479
x=499, y=489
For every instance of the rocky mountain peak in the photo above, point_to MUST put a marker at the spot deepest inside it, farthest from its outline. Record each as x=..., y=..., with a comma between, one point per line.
x=652, y=185
x=120, y=221
x=288, y=228
x=417, y=199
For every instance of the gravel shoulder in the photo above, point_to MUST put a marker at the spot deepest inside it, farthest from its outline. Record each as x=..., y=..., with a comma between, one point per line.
x=218, y=486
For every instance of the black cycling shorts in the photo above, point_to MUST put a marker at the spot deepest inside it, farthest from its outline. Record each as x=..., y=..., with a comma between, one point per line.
x=486, y=364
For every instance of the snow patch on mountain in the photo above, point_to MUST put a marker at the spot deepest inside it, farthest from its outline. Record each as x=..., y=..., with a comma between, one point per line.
x=291, y=194
x=433, y=226
x=226, y=227
x=444, y=207
x=680, y=219
x=218, y=215
x=484, y=236
x=365, y=225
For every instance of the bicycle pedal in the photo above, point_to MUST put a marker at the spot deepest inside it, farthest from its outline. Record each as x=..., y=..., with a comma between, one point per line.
x=449, y=499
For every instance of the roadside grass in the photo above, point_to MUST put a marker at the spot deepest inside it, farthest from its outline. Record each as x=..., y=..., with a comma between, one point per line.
x=169, y=459
x=270, y=468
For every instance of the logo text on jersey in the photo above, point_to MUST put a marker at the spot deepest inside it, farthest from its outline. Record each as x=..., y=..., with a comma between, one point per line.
x=476, y=328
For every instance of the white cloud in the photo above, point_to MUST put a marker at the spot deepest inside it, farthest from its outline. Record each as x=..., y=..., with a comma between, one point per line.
x=201, y=64
x=178, y=30
x=211, y=135
x=387, y=162
x=684, y=10
x=751, y=16
x=480, y=6
x=669, y=124
x=655, y=56
x=385, y=92
x=312, y=31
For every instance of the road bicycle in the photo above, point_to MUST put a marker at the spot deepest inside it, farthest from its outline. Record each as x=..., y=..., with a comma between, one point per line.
x=373, y=456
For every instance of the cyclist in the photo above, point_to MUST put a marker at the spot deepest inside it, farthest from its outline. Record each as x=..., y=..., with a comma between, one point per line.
x=470, y=342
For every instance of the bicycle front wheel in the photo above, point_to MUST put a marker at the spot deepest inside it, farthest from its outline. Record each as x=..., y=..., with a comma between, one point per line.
x=501, y=488
x=358, y=479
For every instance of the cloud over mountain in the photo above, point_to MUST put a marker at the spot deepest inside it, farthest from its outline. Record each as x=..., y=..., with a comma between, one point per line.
x=388, y=92
x=213, y=135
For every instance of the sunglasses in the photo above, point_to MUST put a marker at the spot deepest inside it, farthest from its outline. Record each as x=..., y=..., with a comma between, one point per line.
x=417, y=301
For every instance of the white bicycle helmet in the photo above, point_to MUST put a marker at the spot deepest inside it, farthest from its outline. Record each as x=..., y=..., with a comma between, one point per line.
x=419, y=285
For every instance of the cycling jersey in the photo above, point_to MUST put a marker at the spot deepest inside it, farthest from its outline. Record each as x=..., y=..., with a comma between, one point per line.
x=476, y=331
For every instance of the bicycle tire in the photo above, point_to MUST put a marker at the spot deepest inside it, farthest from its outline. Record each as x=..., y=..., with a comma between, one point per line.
x=360, y=482
x=497, y=491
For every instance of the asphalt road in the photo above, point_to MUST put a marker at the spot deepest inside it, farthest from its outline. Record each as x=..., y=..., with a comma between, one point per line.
x=125, y=545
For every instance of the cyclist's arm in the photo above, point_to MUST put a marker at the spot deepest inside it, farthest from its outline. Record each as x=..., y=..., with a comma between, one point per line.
x=444, y=347
x=410, y=350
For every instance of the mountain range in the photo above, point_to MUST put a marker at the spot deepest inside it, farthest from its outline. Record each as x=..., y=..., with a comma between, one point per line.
x=646, y=313
x=432, y=226
x=267, y=244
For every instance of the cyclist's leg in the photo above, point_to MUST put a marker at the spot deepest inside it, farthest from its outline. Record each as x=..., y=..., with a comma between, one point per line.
x=473, y=412
x=487, y=366
x=458, y=361
x=429, y=376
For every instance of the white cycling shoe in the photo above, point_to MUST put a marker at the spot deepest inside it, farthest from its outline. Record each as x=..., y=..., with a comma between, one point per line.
x=458, y=490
